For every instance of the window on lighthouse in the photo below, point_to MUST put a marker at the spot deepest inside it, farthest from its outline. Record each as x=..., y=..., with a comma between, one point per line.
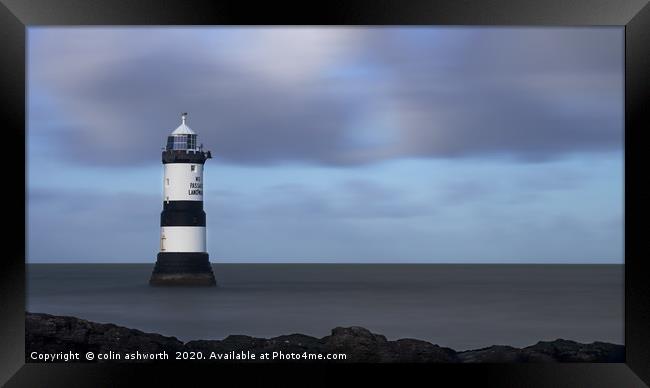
x=181, y=142
x=191, y=142
x=177, y=142
x=193, y=168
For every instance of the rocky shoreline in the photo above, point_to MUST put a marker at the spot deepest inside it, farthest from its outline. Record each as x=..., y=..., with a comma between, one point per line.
x=50, y=334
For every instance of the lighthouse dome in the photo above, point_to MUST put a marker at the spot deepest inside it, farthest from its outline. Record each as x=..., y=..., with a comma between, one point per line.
x=182, y=138
x=183, y=129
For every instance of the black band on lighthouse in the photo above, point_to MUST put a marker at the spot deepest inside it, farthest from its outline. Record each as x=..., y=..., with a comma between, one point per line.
x=182, y=213
x=184, y=206
x=176, y=156
x=181, y=262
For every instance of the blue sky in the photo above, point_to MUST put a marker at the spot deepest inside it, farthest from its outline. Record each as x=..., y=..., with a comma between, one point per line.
x=332, y=144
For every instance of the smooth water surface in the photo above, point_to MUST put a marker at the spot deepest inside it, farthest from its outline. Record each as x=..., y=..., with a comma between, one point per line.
x=459, y=306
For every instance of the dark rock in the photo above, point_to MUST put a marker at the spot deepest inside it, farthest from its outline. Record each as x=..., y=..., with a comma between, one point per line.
x=493, y=354
x=570, y=351
x=295, y=343
x=358, y=343
x=55, y=334
x=412, y=350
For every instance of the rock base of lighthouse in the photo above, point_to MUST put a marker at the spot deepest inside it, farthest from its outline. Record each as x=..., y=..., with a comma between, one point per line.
x=182, y=269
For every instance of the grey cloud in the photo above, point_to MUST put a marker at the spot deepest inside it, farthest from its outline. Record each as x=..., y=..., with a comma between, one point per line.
x=336, y=222
x=124, y=226
x=532, y=95
x=90, y=226
x=358, y=199
x=462, y=192
x=552, y=179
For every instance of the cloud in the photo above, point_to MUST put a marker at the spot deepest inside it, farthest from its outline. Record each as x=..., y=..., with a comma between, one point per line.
x=328, y=96
x=464, y=191
x=348, y=200
x=469, y=214
x=288, y=219
x=88, y=226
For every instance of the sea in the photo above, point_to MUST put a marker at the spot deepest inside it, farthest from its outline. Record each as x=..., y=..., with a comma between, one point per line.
x=461, y=306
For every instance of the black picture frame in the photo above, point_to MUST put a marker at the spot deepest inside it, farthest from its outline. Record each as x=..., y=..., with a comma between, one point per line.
x=634, y=15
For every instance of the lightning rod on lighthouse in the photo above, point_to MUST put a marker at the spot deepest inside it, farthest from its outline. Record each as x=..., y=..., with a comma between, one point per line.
x=183, y=258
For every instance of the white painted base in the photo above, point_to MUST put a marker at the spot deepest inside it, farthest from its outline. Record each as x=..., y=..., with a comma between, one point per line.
x=182, y=239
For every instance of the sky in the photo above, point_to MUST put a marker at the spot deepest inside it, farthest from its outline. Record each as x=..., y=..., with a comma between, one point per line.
x=329, y=144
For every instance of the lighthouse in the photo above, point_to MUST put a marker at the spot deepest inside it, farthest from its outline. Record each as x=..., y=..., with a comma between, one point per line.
x=183, y=258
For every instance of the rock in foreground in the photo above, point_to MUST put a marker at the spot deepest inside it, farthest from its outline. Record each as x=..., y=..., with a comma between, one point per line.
x=57, y=334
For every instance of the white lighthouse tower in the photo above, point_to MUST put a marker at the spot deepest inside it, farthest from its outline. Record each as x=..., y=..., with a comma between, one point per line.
x=183, y=257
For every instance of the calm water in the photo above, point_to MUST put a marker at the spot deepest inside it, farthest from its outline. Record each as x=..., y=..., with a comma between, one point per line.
x=460, y=306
